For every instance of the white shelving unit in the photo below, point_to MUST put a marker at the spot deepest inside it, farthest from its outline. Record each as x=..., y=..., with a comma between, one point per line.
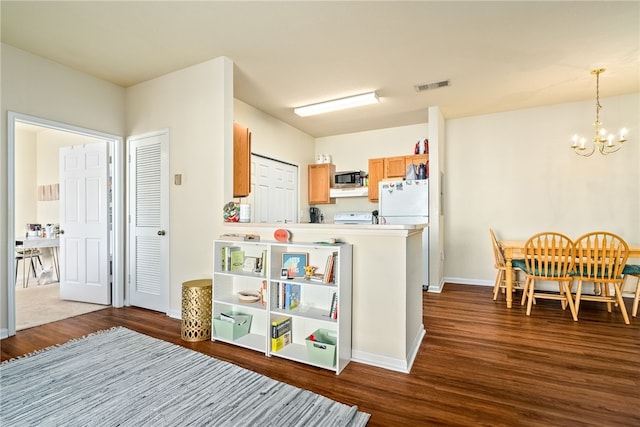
x=314, y=298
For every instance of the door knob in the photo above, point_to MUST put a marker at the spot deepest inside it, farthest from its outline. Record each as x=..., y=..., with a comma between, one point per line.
x=61, y=231
x=161, y=233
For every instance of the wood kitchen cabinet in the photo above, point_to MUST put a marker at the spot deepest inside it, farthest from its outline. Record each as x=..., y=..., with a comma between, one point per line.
x=376, y=173
x=319, y=179
x=395, y=167
x=391, y=168
x=241, y=161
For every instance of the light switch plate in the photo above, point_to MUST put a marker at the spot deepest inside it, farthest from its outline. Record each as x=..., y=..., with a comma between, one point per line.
x=177, y=179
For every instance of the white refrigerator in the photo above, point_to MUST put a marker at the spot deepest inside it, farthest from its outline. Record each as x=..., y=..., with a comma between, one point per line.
x=407, y=202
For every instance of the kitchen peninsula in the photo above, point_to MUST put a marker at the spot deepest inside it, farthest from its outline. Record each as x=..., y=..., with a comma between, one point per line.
x=387, y=326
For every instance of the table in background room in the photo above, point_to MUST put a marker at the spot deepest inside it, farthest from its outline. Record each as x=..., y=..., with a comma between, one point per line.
x=51, y=243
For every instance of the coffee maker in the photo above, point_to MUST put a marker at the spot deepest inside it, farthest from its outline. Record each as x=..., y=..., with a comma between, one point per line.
x=314, y=215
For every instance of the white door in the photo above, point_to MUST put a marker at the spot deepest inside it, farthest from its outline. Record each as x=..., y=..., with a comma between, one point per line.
x=148, y=218
x=84, y=223
x=274, y=190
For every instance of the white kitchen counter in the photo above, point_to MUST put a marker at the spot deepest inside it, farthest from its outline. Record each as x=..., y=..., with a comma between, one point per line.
x=387, y=326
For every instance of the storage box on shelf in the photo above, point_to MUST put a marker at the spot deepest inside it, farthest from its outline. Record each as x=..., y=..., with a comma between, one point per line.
x=232, y=325
x=294, y=309
x=321, y=347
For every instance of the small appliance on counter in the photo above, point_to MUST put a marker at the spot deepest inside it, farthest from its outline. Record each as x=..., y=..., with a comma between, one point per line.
x=314, y=215
x=353, y=217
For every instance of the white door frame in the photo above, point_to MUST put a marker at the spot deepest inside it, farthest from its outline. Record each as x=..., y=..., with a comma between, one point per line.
x=117, y=290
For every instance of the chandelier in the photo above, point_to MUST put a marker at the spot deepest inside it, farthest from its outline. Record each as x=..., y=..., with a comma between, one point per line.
x=603, y=142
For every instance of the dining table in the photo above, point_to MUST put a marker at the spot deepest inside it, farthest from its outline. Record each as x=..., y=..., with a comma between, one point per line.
x=514, y=249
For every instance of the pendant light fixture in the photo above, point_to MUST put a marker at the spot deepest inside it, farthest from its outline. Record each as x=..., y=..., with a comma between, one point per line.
x=602, y=142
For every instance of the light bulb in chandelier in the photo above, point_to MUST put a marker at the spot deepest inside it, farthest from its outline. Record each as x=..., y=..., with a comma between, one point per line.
x=603, y=142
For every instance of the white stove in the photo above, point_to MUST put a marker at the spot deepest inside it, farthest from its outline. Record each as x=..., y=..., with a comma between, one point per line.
x=353, y=217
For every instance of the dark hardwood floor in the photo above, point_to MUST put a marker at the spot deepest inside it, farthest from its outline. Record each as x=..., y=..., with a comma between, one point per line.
x=480, y=364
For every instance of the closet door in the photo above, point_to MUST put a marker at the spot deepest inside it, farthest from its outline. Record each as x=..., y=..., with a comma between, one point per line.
x=148, y=238
x=274, y=191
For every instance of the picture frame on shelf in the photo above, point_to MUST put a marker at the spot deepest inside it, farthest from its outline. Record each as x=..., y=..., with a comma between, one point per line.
x=294, y=262
x=250, y=263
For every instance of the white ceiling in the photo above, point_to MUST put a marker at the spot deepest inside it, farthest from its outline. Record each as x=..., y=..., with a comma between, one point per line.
x=499, y=56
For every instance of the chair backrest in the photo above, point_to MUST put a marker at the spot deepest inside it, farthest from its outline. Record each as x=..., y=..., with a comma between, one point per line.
x=601, y=256
x=549, y=255
x=497, y=251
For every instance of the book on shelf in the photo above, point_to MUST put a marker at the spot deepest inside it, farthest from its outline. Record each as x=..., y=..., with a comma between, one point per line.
x=263, y=264
x=280, y=332
x=240, y=237
x=287, y=295
x=292, y=296
x=281, y=292
x=226, y=256
x=333, y=311
x=237, y=260
x=329, y=269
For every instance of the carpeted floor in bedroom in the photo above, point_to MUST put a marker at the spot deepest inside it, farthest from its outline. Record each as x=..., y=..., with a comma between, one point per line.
x=40, y=304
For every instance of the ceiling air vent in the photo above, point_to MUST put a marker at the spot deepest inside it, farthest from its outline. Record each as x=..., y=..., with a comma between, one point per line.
x=430, y=86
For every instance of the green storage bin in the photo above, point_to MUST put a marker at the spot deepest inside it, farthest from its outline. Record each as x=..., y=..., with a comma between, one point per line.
x=322, y=351
x=232, y=331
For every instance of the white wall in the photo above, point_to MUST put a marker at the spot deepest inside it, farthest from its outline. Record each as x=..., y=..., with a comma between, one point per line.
x=352, y=152
x=273, y=138
x=514, y=172
x=196, y=105
x=26, y=181
x=42, y=88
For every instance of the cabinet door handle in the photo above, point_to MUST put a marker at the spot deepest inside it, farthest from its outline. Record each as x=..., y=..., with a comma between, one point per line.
x=61, y=231
x=161, y=233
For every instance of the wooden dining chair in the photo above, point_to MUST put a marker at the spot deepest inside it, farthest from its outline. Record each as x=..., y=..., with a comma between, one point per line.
x=501, y=266
x=549, y=256
x=600, y=259
x=634, y=270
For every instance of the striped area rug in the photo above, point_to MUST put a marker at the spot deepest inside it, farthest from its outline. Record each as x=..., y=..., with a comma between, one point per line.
x=119, y=377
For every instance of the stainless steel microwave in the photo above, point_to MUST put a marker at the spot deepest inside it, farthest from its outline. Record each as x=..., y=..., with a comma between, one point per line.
x=349, y=179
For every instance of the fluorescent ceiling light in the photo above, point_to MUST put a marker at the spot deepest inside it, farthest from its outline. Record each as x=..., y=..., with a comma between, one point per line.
x=337, y=104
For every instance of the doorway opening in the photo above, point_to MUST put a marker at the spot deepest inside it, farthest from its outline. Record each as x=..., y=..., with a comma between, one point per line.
x=19, y=124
